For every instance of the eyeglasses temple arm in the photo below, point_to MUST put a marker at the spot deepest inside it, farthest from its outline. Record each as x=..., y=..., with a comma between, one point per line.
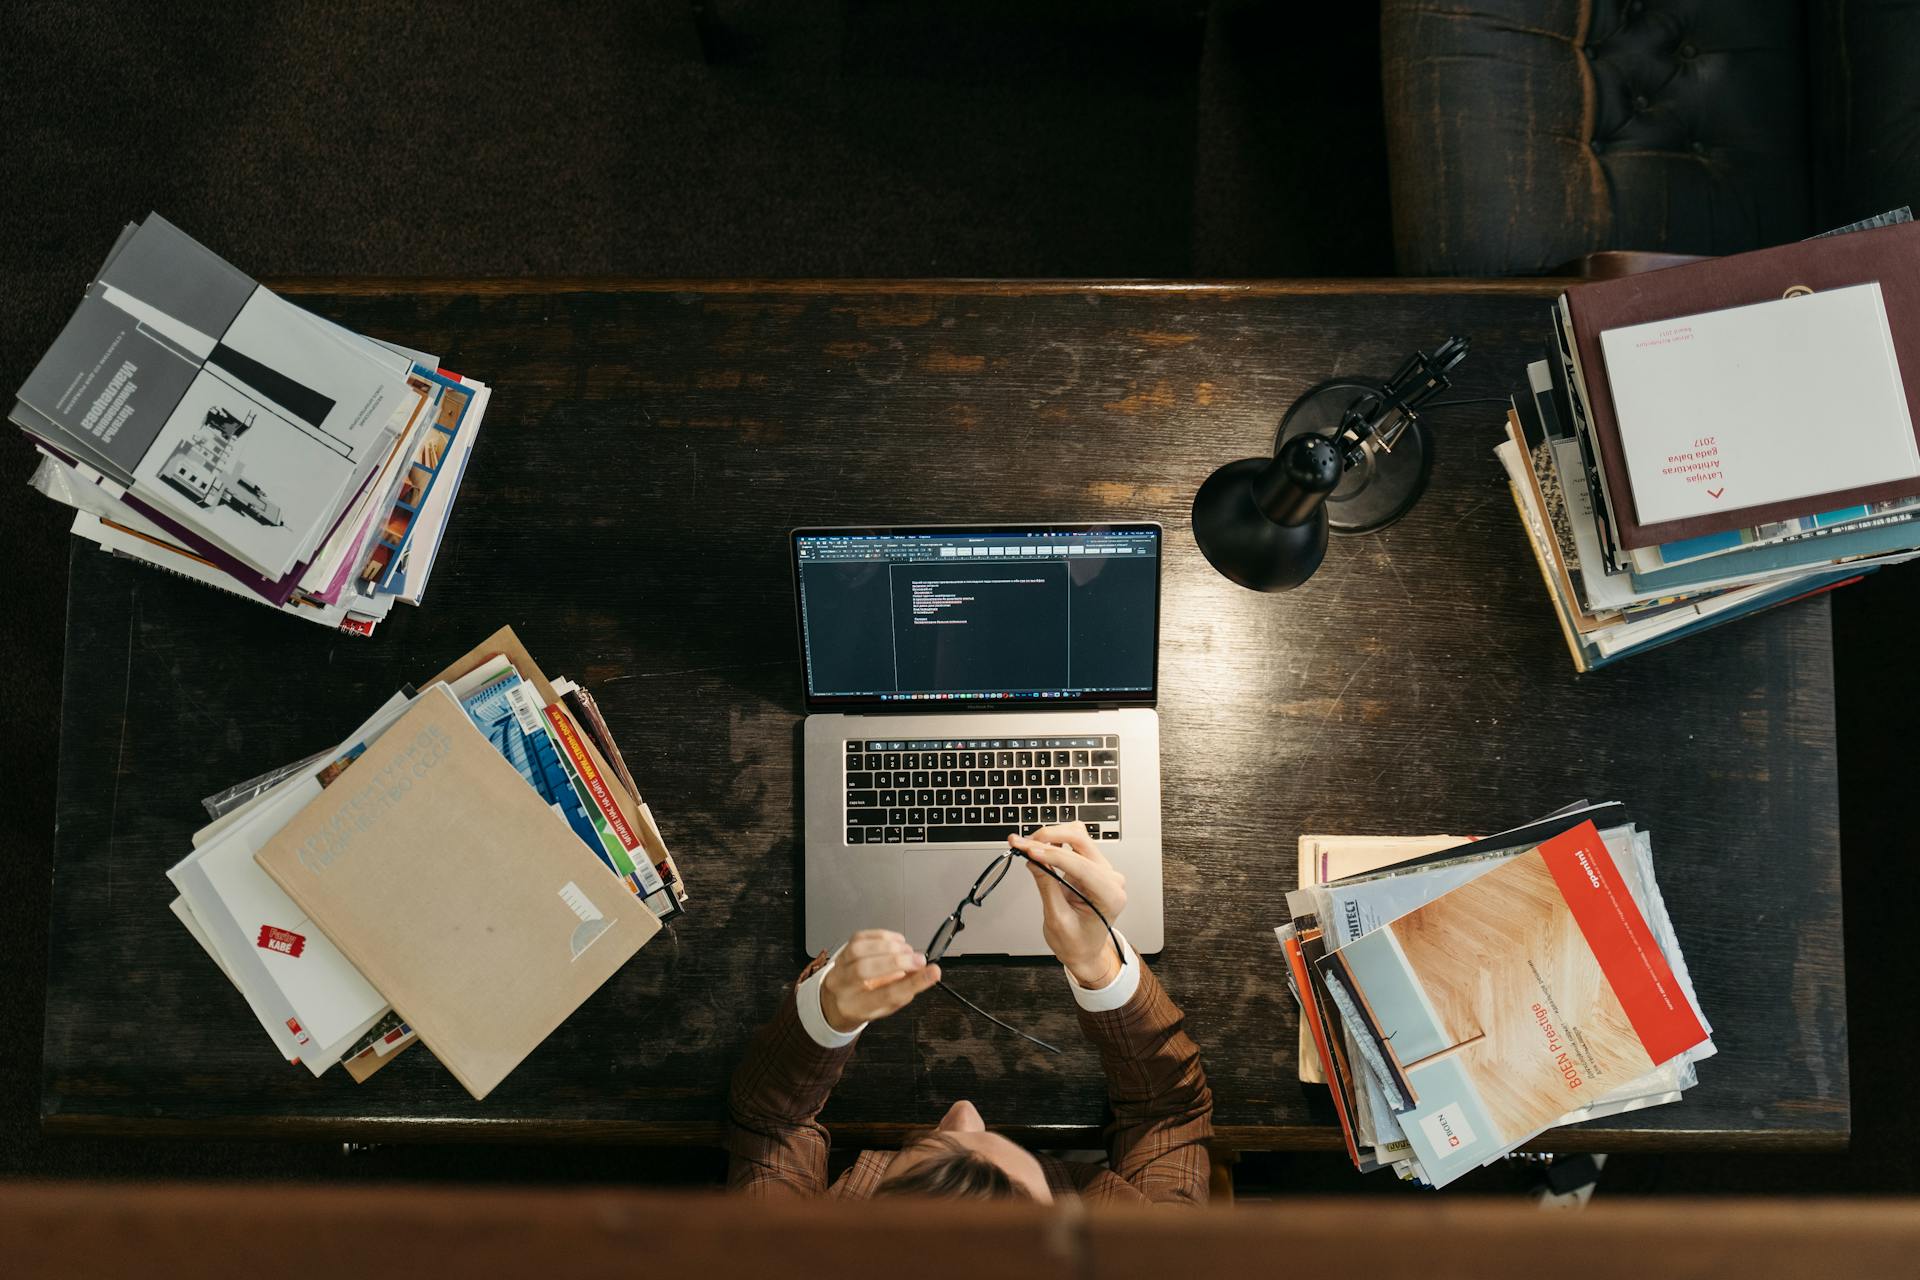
x=995, y=1021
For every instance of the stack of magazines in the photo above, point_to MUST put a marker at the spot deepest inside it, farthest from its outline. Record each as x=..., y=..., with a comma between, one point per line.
x=1710, y=440
x=1459, y=998
x=200, y=423
x=320, y=888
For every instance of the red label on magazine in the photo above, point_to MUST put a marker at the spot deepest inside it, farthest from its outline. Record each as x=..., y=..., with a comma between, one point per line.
x=1617, y=934
x=285, y=941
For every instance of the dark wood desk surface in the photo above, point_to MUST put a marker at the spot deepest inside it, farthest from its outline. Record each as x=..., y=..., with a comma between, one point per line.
x=647, y=448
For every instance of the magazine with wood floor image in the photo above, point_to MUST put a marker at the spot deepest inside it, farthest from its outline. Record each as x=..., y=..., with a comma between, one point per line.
x=1493, y=1010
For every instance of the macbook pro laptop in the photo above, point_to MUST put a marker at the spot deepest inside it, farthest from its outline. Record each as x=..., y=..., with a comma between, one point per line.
x=963, y=682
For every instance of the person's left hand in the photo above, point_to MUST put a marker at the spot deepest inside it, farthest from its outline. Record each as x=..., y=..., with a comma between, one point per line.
x=1072, y=929
x=876, y=974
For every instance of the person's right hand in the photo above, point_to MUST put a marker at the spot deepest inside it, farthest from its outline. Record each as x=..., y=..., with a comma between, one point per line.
x=1072, y=929
x=877, y=974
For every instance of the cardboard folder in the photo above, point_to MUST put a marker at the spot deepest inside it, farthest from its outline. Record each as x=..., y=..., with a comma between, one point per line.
x=460, y=895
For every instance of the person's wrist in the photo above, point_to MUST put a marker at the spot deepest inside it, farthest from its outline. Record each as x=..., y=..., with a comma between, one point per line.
x=830, y=1010
x=1097, y=969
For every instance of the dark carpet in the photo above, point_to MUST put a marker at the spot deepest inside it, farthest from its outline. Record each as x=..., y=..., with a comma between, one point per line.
x=749, y=138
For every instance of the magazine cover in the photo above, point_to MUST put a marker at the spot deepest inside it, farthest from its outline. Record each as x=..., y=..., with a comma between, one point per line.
x=1530, y=991
x=216, y=401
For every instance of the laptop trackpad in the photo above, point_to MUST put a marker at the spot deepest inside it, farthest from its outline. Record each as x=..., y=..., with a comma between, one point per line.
x=938, y=878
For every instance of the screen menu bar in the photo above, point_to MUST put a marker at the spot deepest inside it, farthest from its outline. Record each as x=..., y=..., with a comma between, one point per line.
x=957, y=546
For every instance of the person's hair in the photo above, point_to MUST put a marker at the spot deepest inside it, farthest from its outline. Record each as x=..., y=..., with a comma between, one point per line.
x=955, y=1171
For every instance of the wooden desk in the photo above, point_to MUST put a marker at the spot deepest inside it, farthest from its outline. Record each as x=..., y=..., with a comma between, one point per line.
x=647, y=448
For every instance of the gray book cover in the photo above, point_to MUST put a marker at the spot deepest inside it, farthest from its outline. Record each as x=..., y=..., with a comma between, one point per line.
x=243, y=416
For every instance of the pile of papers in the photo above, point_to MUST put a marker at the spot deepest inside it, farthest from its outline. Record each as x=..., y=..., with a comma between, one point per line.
x=320, y=889
x=1459, y=998
x=1710, y=440
x=198, y=422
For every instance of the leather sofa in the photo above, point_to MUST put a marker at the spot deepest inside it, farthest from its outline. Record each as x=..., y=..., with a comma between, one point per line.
x=1522, y=134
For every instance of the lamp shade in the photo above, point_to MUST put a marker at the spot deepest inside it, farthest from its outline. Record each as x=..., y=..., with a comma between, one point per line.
x=1262, y=522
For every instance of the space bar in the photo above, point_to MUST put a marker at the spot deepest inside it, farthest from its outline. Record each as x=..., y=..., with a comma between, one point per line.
x=971, y=835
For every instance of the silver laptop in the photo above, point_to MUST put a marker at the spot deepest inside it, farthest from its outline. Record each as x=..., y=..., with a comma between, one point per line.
x=963, y=682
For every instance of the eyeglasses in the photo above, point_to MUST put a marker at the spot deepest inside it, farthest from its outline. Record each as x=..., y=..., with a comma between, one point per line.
x=986, y=883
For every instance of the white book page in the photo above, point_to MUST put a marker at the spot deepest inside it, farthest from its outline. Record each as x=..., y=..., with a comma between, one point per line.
x=233, y=898
x=328, y=995
x=248, y=976
x=1789, y=400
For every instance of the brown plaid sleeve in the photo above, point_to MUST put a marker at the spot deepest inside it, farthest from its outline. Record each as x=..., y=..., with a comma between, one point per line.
x=775, y=1143
x=1162, y=1107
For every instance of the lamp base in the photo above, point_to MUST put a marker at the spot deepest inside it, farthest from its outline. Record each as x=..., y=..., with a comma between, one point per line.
x=1385, y=485
x=1239, y=540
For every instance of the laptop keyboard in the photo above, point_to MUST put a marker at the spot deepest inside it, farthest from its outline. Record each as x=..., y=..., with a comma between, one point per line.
x=977, y=790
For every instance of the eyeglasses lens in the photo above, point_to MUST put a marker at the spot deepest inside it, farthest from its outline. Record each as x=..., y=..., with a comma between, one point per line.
x=990, y=880
x=943, y=939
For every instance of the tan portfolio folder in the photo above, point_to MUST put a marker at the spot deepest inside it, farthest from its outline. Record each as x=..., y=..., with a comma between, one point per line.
x=461, y=896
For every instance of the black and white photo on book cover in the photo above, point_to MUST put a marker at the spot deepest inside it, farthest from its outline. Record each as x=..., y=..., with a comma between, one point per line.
x=332, y=381
x=161, y=292
x=233, y=465
x=237, y=413
x=284, y=357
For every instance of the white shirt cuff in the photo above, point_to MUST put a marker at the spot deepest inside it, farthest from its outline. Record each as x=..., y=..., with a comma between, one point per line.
x=1115, y=993
x=807, y=1000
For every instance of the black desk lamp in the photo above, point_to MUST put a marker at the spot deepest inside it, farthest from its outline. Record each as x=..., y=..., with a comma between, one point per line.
x=1351, y=455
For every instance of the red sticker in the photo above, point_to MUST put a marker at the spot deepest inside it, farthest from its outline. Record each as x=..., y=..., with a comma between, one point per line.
x=285, y=941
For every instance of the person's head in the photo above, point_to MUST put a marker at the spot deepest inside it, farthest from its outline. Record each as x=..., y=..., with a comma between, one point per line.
x=959, y=1158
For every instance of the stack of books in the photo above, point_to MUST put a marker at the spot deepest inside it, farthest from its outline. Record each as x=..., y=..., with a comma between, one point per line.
x=322, y=889
x=1459, y=998
x=200, y=423
x=1711, y=440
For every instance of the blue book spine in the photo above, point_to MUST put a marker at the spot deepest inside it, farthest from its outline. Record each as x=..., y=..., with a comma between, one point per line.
x=1899, y=532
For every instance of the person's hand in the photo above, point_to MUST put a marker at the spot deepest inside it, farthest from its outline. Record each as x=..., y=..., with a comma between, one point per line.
x=1072, y=929
x=877, y=974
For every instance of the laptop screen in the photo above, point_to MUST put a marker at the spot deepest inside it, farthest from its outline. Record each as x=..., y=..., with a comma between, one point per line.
x=972, y=614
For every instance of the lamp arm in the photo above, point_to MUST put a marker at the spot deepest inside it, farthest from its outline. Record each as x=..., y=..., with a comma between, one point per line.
x=1379, y=422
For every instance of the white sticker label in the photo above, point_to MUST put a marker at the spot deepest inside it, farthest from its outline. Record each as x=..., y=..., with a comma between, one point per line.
x=1448, y=1129
x=520, y=700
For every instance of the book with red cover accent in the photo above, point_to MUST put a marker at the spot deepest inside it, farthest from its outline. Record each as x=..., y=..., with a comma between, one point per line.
x=1318, y=1033
x=1887, y=255
x=1530, y=991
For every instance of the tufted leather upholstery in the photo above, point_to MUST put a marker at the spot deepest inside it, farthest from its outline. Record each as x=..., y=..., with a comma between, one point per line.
x=1866, y=107
x=1524, y=133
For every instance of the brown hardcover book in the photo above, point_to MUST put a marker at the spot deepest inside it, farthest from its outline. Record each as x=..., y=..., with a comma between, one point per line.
x=1889, y=255
x=448, y=882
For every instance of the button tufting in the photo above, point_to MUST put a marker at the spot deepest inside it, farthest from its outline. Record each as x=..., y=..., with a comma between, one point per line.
x=1639, y=102
x=1697, y=147
x=1635, y=9
x=1597, y=146
x=1687, y=50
